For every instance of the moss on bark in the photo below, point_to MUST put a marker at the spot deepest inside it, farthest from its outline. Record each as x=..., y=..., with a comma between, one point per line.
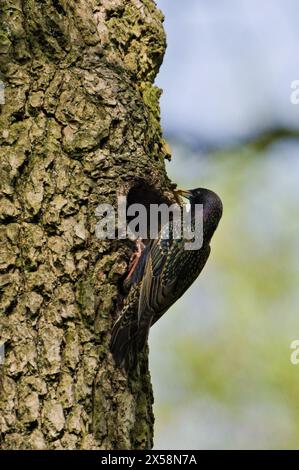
x=80, y=125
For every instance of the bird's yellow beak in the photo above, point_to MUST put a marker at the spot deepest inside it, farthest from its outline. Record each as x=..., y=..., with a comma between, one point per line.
x=182, y=192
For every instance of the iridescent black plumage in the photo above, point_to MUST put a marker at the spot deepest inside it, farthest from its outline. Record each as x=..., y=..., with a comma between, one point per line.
x=164, y=272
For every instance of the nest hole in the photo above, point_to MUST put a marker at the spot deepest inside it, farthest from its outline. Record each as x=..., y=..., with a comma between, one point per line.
x=145, y=194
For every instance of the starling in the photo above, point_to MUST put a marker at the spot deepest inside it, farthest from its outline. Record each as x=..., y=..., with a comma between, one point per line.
x=164, y=271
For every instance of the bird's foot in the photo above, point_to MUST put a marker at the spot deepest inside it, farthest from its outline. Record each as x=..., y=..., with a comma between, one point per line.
x=135, y=259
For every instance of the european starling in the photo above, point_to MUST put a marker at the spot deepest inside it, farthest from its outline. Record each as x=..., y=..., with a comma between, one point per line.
x=164, y=271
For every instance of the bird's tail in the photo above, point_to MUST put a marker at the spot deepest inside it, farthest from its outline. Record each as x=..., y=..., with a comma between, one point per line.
x=127, y=340
x=123, y=343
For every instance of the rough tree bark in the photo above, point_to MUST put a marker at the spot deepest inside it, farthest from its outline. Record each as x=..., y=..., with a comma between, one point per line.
x=79, y=126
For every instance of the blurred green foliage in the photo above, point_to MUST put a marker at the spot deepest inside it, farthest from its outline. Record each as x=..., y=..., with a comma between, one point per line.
x=220, y=358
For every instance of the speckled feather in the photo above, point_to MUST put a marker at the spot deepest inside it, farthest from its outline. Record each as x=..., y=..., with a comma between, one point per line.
x=164, y=272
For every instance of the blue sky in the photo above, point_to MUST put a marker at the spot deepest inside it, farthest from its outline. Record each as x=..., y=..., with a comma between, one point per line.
x=228, y=68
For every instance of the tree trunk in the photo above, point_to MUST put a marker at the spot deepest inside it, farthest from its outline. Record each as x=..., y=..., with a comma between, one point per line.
x=80, y=126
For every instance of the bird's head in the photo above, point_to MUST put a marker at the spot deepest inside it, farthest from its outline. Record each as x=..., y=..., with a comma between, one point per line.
x=212, y=207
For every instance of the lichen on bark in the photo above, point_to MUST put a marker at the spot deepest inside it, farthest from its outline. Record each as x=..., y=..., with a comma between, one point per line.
x=80, y=125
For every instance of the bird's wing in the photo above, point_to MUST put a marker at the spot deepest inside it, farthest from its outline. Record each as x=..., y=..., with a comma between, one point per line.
x=169, y=271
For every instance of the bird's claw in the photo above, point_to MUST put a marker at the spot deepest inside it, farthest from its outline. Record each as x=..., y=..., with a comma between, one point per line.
x=135, y=258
